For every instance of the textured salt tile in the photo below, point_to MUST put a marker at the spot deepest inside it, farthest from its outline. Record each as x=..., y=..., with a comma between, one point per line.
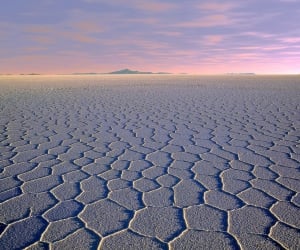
x=118, y=184
x=36, y=173
x=172, y=148
x=64, y=167
x=167, y=180
x=272, y=188
x=59, y=230
x=184, y=156
x=213, y=158
x=141, y=149
x=287, y=236
x=130, y=175
x=255, y=159
x=164, y=223
x=18, y=168
x=181, y=173
x=154, y=172
x=296, y=199
x=81, y=239
x=58, y=150
x=264, y=173
x=130, y=155
x=236, y=164
x=237, y=174
x=94, y=188
x=181, y=165
x=75, y=176
x=209, y=182
x=30, y=228
x=286, y=171
x=290, y=183
x=130, y=240
x=256, y=197
x=206, y=218
x=159, y=158
x=287, y=213
x=43, y=158
x=83, y=161
x=128, y=197
x=67, y=190
x=63, y=210
x=111, y=174
x=28, y=155
x=39, y=246
x=249, y=219
x=194, y=149
x=9, y=183
x=224, y=154
x=105, y=217
x=10, y=155
x=11, y=193
x=95, y=168
x=42, y=184
x=190, y=187
x=234, y=186
x=205, y=168
x=161, y=197
x=120, y=165
x=145, y=185
x=194, y=240
x=251, y=241
x=139, y=165
x=222, y=200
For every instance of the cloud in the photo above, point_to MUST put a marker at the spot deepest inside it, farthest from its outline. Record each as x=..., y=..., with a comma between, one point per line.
x=216, y=7
x=290, y=40
x=87, y=26
x=207, y=21
x=213, y=39
x=152, y=6
x=38, y=29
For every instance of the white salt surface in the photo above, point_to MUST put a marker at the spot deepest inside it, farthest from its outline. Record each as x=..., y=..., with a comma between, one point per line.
x=150, y=162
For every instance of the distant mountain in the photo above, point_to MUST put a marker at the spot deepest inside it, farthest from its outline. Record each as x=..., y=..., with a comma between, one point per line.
x=128, y=71
x=120, y=72
x=247, y=74
x=88, y=73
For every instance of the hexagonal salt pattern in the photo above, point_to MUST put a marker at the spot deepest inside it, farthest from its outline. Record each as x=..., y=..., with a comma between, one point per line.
x=150, y=162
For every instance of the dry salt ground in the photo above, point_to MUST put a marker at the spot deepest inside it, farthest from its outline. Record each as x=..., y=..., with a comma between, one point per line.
x=150, y=162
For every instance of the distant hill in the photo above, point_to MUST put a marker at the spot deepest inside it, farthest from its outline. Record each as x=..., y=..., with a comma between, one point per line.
x=128, y=71
x=242, y=74
x=120, y=72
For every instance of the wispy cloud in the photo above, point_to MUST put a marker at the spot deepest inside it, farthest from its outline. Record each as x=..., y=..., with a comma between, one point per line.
x=216, y=6
x=207, y=21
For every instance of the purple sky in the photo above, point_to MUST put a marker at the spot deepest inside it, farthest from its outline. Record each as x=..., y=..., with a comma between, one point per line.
x=204, y=37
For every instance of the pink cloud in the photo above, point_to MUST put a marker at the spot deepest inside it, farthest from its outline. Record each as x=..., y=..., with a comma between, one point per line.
x=290, y=40
x=153, y=6
x=216, y=7
x=87, y=26
x=46, y=40
x=208, y=21
x=38, y=29
x=169, y=33
x=213, y=39
x=79, y=37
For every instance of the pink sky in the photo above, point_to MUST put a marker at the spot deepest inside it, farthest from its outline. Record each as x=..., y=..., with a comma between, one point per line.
x=207, y=37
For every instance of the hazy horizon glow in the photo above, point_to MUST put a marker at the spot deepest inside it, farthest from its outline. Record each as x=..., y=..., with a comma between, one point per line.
x=198, y=37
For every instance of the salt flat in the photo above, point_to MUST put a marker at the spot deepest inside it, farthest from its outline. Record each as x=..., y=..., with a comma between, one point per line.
x=150, y=162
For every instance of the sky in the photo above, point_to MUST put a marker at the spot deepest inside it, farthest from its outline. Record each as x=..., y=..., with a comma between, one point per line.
x=191, y=36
